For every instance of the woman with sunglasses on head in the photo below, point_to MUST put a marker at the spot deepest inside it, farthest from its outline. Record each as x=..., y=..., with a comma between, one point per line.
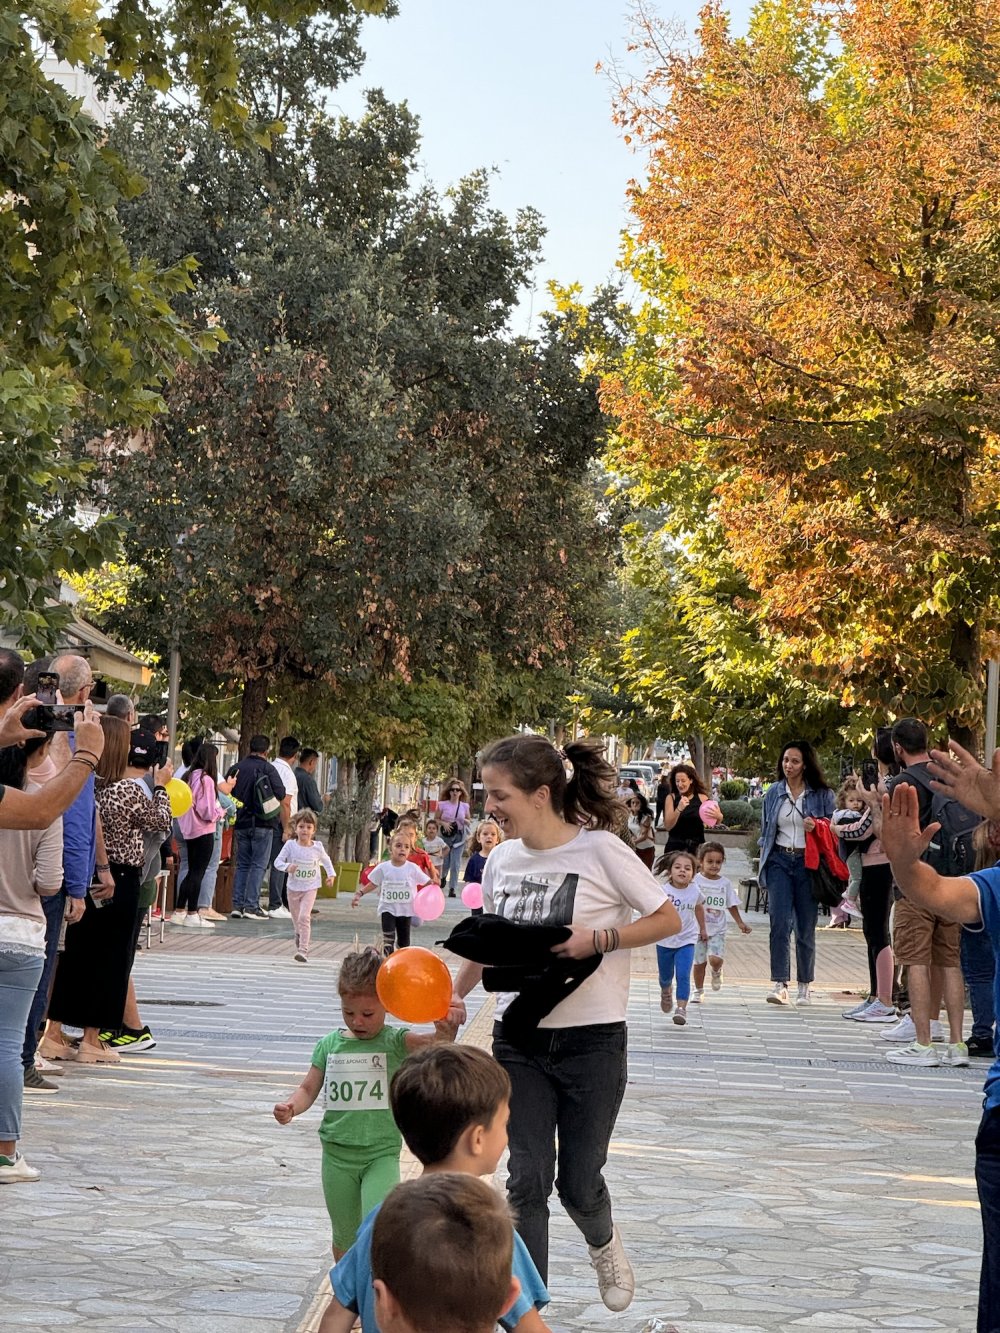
x=453, y=816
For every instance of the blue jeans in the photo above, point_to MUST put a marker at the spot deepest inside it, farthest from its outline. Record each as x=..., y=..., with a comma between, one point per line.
x=19, y=973
x=667, y=960
x=790, y=903
x=253, y=851
x=978, y=968
x=988, y=1185
x=54, y=907
x=452, y=866
x=567, y=1084
x=208, y=883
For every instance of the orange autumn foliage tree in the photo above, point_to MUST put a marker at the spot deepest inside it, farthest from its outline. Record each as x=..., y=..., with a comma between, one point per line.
x=820, y=233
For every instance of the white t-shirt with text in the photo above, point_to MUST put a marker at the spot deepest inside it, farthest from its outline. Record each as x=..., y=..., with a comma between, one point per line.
x=685, y=900
x=594, y=881
x=303, y=865
x=397, y=886
x=719, y=895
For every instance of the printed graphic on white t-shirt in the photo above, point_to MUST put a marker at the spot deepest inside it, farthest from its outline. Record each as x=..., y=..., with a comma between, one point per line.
x=719, y=895
x=593, y=881
x=685, y=900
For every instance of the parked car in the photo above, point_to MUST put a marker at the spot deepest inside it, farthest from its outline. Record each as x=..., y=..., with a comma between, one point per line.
x=642, y=778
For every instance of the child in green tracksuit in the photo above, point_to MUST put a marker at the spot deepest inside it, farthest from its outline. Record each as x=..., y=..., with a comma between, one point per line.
x=353, y=1069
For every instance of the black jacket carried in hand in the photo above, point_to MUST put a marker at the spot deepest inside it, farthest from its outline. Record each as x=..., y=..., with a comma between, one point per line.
x=520, y=958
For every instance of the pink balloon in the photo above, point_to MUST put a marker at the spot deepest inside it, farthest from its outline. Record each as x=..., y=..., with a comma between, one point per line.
x=708, y=815
x=472, y=895
x=429, y=903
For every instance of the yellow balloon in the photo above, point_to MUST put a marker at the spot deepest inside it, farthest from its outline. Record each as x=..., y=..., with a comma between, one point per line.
x=180, y=797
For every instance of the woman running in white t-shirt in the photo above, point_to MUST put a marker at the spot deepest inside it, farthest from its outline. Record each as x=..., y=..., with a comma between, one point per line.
x=561, y=865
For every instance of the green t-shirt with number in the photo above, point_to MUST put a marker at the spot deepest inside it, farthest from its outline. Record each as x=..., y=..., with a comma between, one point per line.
x=356, y=1078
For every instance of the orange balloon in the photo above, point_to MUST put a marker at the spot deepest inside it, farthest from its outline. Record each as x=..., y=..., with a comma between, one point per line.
x=415, y=985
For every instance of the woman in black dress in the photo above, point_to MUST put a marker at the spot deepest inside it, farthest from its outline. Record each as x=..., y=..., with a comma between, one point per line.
x=682, y=810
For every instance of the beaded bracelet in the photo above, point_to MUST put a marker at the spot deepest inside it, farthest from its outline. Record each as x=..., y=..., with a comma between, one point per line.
x=79, y=759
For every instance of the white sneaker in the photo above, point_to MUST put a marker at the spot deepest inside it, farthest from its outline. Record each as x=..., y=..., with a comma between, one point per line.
x=903, y=1031
x=177, y=919
x=281, y=912
x=850, y=906
x=15, y=1171
x=196, y=919
x=47, y=1066
x=803, y=997
x=300, y=957
x=778, y=994
x=860, y=1009
x=914, y=1054
x=697, y=996
x=716, y=979
x=877, y=1012
x=955, y=1053
x=938, y=1031
x=615, y=1277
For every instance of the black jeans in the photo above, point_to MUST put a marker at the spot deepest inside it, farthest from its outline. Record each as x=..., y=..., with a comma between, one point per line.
x=569, y=1083
x=988, y=1185
x=199, y=853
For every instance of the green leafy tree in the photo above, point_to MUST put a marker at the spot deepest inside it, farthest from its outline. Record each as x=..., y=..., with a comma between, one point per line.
x=85, y=327
x=370, y=485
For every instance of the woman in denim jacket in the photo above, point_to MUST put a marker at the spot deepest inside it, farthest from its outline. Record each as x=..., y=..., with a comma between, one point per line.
x=792, y=804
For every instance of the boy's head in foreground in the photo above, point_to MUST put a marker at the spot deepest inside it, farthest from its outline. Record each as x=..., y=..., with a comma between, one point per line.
x=441, y=1256
x=452, y=1104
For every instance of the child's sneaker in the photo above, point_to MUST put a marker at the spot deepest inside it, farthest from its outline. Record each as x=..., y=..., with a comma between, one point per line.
x=666, y=998
x=716, y=978
x=697, y=996
x=680, y=1018
x=300, y=957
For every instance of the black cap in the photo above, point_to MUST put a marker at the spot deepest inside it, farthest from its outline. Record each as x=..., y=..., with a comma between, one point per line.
x=143, y=749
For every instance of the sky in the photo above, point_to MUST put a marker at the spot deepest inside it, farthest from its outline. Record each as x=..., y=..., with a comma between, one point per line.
x=511, y=85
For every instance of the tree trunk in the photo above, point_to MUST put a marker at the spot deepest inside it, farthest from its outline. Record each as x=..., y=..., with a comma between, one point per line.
x=700, y=761
x=367, y=770
x=965, y=655
x=253, y=711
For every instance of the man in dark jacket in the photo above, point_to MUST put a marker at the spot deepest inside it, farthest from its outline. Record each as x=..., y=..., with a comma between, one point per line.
x=263, y=807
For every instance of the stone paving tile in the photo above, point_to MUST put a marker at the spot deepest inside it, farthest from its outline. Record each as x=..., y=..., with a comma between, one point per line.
x=770, y=1169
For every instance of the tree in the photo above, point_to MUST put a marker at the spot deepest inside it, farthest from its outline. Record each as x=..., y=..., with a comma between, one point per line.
x=84, y=327
x=820, y=224
x=370, y=484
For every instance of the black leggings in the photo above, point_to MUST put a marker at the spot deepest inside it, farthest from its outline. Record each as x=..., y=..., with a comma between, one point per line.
x=395, y=932
x=875, y=901
x=199, y=853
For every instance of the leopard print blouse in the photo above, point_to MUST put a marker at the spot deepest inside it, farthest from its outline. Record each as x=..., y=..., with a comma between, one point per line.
x=126, y=814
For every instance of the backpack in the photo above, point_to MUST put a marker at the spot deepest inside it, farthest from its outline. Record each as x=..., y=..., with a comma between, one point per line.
x=266, y=805
x=951, y=853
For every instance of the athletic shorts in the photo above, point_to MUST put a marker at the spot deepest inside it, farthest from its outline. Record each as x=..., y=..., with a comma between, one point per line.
x=714, y=946
x=920, y=939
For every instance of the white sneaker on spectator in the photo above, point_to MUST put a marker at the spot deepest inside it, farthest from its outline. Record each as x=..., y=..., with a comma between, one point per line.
x=859, y=1009
x=877, y=1012
x=914, y=1054
x=15, y=1170
x=903, y=1031
x=279, y=912
x=48, y=1066
x=955, y=1053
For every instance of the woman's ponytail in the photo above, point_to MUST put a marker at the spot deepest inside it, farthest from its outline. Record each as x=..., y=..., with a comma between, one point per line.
x=590, y=798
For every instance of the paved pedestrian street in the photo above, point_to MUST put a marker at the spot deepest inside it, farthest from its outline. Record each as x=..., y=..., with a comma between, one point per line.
x=769, y=1169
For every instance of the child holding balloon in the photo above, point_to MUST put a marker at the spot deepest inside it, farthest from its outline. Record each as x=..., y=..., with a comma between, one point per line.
x=397, y=881
x=486, y=837
x=353, y=1069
